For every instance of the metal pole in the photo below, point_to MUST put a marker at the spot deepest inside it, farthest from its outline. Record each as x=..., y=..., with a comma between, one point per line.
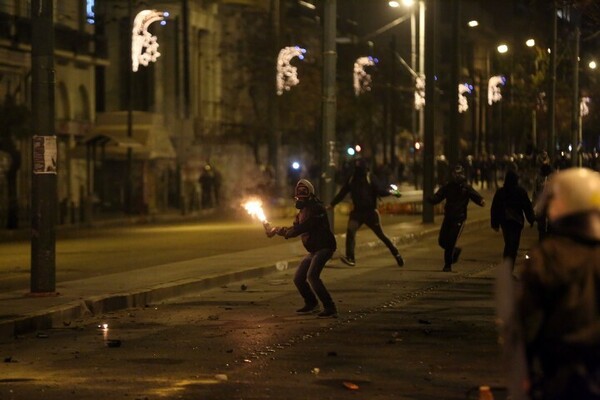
x=128, y=192
x=552, y=97
x=44, y=168
x=430, y=106
x=328, y=161
x=453, y=135
x=274, y=149
x=576, y=100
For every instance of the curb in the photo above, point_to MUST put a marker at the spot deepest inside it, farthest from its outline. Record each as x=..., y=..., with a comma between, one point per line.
x=85, y=307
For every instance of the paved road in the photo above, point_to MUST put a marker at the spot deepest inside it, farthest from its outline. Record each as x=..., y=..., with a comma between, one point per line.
x=410, y=333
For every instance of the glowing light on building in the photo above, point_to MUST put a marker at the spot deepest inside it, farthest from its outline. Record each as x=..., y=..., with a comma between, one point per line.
x=463, y=104
x=593, y=65
x=362, y=80
x=419, y=92
x=530, y=42
x=144, y=45
x=296, y=165
x=473, y=23
x=583, y=106
x=287, y=74
x=494, y=90
x=350, y=151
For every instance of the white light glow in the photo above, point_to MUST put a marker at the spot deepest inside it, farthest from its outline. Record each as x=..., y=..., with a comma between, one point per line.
x=463, y=104
x=394, y=4
x=417, y=146
x=593, y=65
x=287, y=74
x=502, y=49
x=141, y=39
x=357, y=148
x=307, y=5
x=473, y=23
x=350, y=151
x=583, y=106
x=530, y=42
x=408, y=3
x=296, y=165
x=362, y=80
x=494, y=91
x=420, y=92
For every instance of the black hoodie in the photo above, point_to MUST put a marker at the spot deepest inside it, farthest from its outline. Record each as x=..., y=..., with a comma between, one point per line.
x=510, y=203
x=457, y=194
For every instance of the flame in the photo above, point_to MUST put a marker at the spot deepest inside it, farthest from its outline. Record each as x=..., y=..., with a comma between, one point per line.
x=254, y=208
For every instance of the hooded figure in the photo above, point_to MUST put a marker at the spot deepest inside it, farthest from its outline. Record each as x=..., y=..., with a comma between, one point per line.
x=543, y=174
x=364, y=190
x=510, y=207
x=457, y=193
x=312, y=225
x=558, y=306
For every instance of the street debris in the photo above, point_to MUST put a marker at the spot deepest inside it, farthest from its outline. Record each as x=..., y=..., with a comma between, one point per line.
x=113, y=343
x=332, y=354
x=8, y=359
x=243, y=287
x=315, y=371
x=350, y=385
x=213, y=317
x=42, y=335
x=425, y=322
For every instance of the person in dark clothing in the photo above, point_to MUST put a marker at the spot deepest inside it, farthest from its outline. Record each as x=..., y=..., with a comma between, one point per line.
x=312, y=225
x=364, y=190
x=207, y=181
x=508, y=206
x=544, y=172
x=457, y=193
x=557, y=306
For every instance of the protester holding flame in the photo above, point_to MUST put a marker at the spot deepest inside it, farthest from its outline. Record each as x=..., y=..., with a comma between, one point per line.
x=312, y=225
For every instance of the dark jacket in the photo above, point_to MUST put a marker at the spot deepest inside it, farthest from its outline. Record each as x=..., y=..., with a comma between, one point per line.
x=510, y=203
x=364, y=189
x=457, y=194
x=559, y=311
x=312, y=225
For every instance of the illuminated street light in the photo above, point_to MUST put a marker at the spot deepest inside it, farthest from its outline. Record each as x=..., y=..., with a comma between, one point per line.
x=503, y=48
x=473, y=23
x=394, y=4
x=530, y=42
x=592, y=65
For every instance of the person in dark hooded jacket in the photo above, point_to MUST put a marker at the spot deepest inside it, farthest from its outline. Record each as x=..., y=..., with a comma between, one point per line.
x=457, y=193
x=509, y=205
x=558, y=305
x=312, y=225
x=364, y=190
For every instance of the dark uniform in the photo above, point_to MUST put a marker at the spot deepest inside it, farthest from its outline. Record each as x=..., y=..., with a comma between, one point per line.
x=457, y=194
x=509, y=204
x=312, y=225
x=364, y=191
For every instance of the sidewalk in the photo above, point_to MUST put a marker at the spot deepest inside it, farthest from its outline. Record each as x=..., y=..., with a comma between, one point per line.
x=25, y=313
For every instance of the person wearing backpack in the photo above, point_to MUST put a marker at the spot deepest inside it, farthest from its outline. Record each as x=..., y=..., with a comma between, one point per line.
x=510, y=207
x=364, y=191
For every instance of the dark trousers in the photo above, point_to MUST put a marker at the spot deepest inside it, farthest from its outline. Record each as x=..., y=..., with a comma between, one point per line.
x=308, y=278
x=512, y=237
x=371, y=219
x=449, y=234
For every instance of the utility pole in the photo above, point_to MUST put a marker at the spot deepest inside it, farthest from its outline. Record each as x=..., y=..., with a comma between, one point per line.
x=552, y=99
x=453, y=136
x=328, y=161
x=575, y=120
x=274, y=148
x=44, y=168
x=430, y=106
x=128, y=206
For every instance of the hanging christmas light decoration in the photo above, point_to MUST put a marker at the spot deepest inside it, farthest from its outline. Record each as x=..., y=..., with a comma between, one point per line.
x=362, y=80
x=287, y=74
x=583, y=106
x=494, y=91
x=419, y=92
x=142, y=39
x=463, y=104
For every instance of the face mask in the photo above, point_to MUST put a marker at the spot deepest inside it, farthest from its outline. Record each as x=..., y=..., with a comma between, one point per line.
x=300, y=203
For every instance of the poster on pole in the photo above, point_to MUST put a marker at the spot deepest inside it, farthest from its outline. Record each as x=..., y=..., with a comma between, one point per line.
x=44, y=154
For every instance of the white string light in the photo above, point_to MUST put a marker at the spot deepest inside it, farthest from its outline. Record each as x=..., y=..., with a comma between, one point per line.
x=419, y=92
x=141, y=38
x=494, y=91
x=287, y=74
x=463, y=104
x=583, y=106
x=362, y=80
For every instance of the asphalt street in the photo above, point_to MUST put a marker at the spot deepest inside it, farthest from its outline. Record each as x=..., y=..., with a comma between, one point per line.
x=402, y=333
